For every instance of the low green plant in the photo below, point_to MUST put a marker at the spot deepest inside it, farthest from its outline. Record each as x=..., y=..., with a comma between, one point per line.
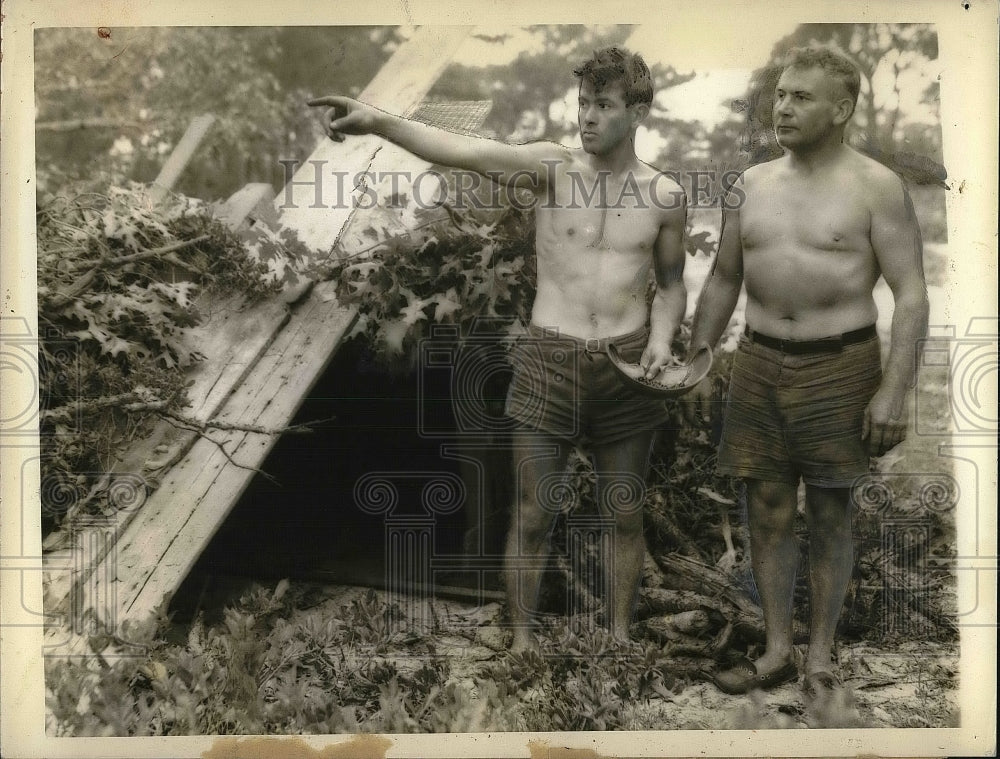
x=265, y=668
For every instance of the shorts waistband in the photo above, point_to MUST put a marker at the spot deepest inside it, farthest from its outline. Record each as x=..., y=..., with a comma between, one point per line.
x=589, y=344
x=832, y=343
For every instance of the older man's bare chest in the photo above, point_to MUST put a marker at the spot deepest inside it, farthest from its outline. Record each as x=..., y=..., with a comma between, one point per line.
x=811, y=216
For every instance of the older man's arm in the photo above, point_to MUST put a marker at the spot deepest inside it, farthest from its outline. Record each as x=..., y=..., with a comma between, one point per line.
x=895, y=238
x=716, y=303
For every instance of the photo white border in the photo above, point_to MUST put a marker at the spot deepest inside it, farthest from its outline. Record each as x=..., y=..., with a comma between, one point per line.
x=969, y=84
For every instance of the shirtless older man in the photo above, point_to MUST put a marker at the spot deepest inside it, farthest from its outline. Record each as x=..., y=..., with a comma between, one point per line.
x=604, y=220
x=809, y=234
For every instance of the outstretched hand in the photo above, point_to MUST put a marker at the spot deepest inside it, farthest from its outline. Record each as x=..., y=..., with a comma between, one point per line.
x=344, y=116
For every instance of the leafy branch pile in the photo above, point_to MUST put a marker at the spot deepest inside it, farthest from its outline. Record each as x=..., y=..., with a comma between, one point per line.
x=460, y=271
x=121, y=282
x=263, y=669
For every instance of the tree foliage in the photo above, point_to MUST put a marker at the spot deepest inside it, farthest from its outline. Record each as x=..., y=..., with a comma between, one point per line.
x=111, y=108
x=455, y=272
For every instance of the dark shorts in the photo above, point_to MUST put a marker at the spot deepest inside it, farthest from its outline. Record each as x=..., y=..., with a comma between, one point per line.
x=791, y=416
x=566, y=386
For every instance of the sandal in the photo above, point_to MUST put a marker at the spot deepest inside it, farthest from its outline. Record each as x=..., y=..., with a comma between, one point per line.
x=743, y=677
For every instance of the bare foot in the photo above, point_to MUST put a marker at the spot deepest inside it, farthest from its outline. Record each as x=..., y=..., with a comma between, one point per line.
x=621, y=635
x=524, y=642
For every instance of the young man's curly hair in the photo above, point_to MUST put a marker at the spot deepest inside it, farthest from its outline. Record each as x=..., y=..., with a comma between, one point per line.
x=615, y=64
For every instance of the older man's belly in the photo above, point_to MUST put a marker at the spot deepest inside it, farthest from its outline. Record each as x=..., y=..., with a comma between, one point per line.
x=804, y=294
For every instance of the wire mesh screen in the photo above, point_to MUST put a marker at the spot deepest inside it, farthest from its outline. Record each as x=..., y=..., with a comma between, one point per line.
x=454, y=115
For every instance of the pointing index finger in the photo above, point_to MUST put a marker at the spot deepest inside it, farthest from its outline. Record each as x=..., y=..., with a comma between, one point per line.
x=330, y=100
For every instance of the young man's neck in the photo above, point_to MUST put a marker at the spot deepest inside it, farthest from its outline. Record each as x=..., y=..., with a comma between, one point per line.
x=620, y=159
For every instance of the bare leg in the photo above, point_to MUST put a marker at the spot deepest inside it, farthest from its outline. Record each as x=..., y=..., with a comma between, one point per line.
x=539, y=460
x=831, y=561
x=621, y=476
x=775, y=557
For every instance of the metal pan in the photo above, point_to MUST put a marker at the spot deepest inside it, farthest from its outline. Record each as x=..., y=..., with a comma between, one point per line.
x=671, y=382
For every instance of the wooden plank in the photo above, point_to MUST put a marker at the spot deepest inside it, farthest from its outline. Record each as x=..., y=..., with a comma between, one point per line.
x=181, y=155
x=399, y=87
x=252, y=203
x=176, y=524
x=232, y=337
x=235, y=337
x=161, y=544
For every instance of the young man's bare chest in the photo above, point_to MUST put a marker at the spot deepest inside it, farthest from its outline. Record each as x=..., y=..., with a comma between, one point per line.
x=593, y=266
x=612, y=217
x=610, y=230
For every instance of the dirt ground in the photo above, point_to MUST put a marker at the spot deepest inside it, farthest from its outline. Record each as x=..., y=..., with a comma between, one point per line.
x=912, y=684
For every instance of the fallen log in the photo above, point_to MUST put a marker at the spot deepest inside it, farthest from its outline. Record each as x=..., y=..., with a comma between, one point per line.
x=672, y=627
x=685, y=573
x=656, y=601
x=695, y=633
x=689, y=584
x=664, y=533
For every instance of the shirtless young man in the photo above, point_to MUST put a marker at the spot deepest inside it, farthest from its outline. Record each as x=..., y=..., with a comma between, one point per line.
x=604, y=219
x=809, y=234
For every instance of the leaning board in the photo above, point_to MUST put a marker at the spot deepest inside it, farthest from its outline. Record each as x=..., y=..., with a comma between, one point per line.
x=142, y=562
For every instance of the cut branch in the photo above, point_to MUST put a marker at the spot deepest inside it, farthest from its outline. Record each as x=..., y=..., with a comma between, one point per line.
x=196, y=425
x=202, y=432
x=79, y=285
x=142, y=255
x=133, y=401
x=695, y=585
x=668, y=534
x=139, y=401
x=77, y=288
